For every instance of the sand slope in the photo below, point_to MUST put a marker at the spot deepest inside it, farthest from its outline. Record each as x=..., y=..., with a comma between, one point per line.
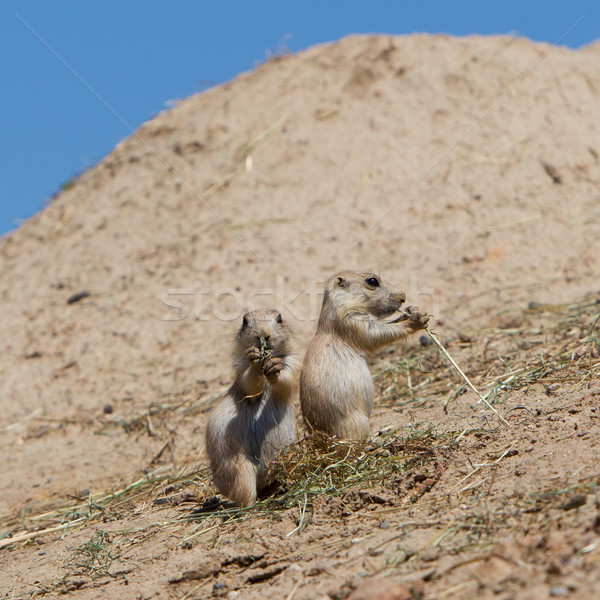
x=466, y=171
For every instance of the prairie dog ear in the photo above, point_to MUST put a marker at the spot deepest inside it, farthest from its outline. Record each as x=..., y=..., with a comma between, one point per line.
x=340, y=282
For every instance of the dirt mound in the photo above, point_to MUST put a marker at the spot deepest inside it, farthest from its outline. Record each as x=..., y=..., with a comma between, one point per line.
x=464, y=170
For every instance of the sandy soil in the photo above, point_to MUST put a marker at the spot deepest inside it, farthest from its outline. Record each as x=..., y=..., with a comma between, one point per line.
x=465, y=171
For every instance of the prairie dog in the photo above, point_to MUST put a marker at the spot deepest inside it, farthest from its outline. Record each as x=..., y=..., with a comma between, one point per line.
x=336, y=388
x=255, y=418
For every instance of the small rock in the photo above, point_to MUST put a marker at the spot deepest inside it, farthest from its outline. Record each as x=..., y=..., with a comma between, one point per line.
x=553, y=568
x=195, y=570
x=219, y=588
x=78, y=296
x=75, y=583
x=84, y=494
x=316, y=570
x=463, y=338
x=425, y=340
x=258, y=575
x=108, y=409
x=552, y=172
x=510, y=321
x=574, y=502
x=429, y=554
x=559, y=590
x=294, y=571
x=174, y=500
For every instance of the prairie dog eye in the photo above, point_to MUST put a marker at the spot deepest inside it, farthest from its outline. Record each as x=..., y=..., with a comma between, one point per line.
x=372, y=281
x=245, y=321
x=279, y=318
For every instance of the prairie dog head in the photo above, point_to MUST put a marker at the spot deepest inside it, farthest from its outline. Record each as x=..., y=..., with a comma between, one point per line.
x=265, y=330
x=352, y=293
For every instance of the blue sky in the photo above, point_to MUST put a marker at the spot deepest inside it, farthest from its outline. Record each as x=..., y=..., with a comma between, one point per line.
x=78, y=76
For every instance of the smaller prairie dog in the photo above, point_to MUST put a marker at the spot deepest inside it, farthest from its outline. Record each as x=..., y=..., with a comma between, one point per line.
x=255, y=418
x=336, y=387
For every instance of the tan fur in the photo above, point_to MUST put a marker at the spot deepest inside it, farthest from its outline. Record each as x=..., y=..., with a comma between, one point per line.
x=255, y=418
x=336, y=388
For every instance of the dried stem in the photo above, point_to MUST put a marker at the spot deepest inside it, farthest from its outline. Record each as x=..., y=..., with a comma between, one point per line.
x=445, y=352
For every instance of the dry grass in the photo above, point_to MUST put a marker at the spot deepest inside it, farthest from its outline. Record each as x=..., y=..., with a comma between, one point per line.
x=318, y=466
x=95, y=557
x=541, y=345
x=547, y=345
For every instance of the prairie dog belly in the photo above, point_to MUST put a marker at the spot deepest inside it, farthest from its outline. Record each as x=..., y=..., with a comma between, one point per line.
x=341, y=385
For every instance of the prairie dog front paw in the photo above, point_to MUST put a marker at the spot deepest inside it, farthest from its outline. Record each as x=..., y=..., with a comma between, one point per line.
x=253, y=355
x=271, y=367
x=416, y=319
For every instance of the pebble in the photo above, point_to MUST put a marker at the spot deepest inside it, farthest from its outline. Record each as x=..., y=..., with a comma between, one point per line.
x=425, y=340
x=574, y=502
x=78, y=296
x=559, y=590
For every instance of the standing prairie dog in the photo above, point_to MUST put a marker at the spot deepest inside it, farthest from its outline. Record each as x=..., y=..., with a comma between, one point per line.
x=336, y=388
x=255, y=418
